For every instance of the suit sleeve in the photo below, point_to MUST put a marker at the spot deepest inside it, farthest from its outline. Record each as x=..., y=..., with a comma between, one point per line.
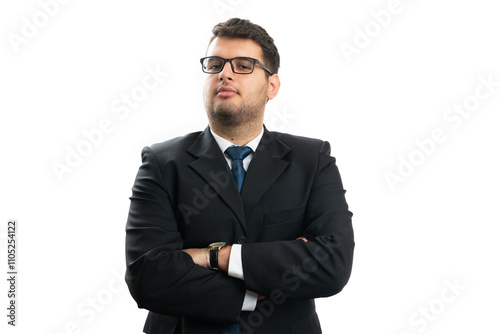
x=320, y=267
x=160, y=277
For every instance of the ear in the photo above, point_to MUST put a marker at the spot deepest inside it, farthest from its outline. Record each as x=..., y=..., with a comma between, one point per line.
x=274, y=86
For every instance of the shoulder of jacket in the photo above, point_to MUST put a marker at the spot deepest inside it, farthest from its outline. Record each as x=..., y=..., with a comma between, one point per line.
x=294, y=140
x=172, y=147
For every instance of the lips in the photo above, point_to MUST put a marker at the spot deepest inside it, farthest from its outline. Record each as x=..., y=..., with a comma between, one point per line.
x=226, y=91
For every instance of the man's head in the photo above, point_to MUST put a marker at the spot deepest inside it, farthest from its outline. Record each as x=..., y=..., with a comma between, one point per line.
x=238, y=99
x=244, y=29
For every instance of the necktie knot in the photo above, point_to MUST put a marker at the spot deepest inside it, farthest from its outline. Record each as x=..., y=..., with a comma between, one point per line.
x=238, y=152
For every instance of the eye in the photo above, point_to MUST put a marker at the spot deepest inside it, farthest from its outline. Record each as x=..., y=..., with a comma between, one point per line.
x=245, y=67
x=213, y=64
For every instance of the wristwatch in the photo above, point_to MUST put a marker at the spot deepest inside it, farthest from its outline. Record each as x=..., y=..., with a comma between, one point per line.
x=214, y=253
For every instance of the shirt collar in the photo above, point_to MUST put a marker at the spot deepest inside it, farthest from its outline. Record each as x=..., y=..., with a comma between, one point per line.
x=224, y=143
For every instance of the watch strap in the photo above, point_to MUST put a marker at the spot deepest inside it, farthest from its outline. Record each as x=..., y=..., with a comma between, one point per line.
x=214, y=258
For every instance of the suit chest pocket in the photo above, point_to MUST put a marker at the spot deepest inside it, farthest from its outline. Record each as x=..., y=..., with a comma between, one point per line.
x=284, y=224
x=288, y=216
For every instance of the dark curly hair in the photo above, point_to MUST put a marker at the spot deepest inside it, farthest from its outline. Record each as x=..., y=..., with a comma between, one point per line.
x=244, y=29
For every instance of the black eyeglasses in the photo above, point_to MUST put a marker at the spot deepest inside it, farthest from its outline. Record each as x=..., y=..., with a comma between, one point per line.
x=239, y=65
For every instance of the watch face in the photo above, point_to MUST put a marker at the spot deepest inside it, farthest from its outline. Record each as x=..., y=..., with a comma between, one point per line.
x=217, y=244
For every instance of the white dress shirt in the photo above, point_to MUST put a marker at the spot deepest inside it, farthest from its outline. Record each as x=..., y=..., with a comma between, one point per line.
x=235, y=265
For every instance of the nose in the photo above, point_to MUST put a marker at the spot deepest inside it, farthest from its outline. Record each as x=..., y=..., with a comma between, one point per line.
x=226, y=73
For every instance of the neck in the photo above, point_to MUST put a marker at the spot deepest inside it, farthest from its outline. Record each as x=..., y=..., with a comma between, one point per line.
x=239, y=135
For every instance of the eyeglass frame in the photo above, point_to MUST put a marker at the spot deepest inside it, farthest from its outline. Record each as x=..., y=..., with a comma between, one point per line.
x=230, y=60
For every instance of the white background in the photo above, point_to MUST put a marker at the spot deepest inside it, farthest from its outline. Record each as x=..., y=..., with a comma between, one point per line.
x=437, y=228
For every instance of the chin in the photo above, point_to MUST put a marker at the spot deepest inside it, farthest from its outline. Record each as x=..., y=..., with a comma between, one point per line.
x=225, y=107
x=226, y=116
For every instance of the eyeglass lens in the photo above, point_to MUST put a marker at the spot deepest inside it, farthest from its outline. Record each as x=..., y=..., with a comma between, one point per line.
x=240, y=65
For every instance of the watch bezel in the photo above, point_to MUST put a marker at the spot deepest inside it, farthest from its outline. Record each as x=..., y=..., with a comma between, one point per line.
x=214, y=249
x=217, y=245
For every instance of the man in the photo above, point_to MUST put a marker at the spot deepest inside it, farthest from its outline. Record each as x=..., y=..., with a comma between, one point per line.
x=237, y=229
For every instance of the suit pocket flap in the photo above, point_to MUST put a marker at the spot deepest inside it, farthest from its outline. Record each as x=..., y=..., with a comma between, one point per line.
x=285, y=216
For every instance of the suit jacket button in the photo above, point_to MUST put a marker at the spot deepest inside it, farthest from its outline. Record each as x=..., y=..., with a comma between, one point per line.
x=242, y=239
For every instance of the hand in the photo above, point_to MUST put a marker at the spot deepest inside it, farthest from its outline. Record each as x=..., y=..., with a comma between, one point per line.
x=200, y=256
x=303, y=238
x=224, y=255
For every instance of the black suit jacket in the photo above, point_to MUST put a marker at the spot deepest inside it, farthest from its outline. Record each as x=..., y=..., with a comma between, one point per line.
x=184, y=196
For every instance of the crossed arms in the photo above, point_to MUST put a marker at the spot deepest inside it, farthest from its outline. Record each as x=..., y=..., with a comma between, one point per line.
x=165, y=277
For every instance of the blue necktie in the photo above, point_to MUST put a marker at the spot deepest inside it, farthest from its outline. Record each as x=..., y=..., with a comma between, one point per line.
x=230, y=329
x=238, y=153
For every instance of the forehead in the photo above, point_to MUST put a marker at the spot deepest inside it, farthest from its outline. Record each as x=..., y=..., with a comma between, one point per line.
x=234, y=47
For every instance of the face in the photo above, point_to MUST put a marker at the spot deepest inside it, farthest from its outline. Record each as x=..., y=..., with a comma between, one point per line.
x=237, y=99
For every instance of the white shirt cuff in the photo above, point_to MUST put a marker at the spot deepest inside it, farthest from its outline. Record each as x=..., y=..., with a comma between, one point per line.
x=235, y=268
x=250, y=301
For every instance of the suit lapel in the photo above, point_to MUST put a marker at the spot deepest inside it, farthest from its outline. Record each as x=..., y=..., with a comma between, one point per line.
x=211, y=161
x=266, y=166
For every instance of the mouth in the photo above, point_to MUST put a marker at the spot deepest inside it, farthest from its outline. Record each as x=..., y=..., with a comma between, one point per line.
x=226, y=91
